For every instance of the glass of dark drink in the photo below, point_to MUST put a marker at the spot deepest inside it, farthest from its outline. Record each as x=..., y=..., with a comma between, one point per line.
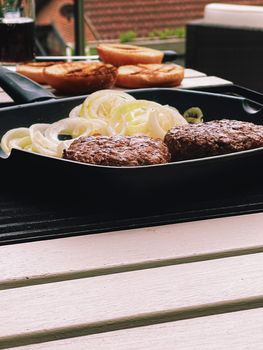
x=17, y=31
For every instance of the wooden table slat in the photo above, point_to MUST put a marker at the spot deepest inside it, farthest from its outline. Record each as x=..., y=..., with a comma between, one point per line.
x=236, y=331
x=192, y=73
x=203, y=82
x=145, y=296
x=66, y=258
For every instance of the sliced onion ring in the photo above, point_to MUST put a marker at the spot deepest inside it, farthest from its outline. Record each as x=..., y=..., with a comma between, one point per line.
x=13, y=139
x=101, y=103
x=162, y=119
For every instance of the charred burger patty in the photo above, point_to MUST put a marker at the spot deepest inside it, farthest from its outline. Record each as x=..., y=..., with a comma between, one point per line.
x=118, y=150
x=213, y=138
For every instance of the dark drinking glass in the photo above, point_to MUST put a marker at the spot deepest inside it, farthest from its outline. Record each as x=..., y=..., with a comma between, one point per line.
x=17, y=31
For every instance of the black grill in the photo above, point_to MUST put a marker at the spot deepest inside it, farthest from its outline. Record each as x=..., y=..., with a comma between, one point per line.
x=28, y=218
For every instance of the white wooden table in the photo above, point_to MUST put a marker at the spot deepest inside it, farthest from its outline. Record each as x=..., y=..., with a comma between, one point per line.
x=196, y=285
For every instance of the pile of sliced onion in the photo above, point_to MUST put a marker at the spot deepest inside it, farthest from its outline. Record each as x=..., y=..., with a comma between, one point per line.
x=105, y=112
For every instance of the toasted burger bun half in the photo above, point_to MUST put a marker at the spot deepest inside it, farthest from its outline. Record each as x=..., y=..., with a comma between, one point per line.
x=34, y=70
x=121, y=54
x=80, y=77
x=150, y=75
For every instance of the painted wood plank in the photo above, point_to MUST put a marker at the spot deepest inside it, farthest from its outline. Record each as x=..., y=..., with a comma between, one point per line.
x=203, y=81
x=4, y=97
x=130, y=249
x=192, y=73
x=68, y=308
x=241, y=330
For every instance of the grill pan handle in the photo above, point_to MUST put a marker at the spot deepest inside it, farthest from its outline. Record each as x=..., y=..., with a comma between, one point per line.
x=22, y=89
x=169, y=56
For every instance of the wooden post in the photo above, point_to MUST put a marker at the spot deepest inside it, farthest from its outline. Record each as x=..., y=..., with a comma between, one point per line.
x=79, y=27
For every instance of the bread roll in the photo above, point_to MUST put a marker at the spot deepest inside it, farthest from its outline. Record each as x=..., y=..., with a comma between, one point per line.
x=34, y=70
x=150, y=75
x=121, y=54
x=80, y=77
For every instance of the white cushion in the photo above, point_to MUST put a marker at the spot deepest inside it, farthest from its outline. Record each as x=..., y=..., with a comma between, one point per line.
x=234, y=15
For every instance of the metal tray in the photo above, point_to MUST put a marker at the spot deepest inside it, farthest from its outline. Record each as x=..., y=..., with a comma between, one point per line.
x=125, y=185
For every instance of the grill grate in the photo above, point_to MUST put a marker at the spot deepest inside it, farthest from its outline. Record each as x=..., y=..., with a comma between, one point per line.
x=25, y=219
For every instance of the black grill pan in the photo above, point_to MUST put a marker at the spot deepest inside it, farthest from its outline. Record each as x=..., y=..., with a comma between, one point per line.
x=127, y=186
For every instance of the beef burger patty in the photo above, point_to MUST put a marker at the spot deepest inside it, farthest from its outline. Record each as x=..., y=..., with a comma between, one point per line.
x=118, y=150
x=213, y=138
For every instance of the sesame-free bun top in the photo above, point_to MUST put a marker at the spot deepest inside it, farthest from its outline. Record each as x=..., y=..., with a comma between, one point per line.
x=34, y=70
x=76, y=78
x=122, y=54
x=150, y=75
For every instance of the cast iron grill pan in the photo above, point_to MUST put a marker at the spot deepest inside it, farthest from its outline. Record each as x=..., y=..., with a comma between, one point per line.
x=31, y=170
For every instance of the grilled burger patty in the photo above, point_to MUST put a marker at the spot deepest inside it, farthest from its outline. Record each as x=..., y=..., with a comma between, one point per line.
x=118, y=150
x=212, y=138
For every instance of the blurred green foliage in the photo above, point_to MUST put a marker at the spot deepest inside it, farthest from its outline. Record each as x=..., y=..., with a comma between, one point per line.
x=125, y=37
x=93, y=51
x=168, y=33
